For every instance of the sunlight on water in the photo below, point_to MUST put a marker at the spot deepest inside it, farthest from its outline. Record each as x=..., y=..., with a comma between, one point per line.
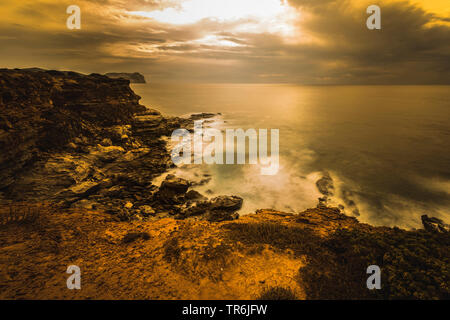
x=386, y=148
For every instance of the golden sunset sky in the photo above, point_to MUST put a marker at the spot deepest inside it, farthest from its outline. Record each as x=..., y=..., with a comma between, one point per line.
x=276, y=41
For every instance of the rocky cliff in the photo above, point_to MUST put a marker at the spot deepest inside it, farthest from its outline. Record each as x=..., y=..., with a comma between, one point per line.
x=42, y=111
x=79, y=157
x=85, y=141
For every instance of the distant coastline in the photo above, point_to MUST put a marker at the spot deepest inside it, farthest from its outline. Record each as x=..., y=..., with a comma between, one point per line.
x=134, y=77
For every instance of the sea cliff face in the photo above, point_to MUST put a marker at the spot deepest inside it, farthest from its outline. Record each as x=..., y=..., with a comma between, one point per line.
x=78, y=162
x=85, y=141
x=42, y=111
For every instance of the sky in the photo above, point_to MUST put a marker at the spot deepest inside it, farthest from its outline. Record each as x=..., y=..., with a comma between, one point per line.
x=234, y=41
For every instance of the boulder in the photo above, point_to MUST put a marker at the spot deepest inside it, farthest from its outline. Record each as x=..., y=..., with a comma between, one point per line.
x=325, y=185
x=147, y=211
x=85, y=204
x=434, y=224
x=173, y=190
x=221, y=208
x=221, y=215
x=85, y=188
x=203, y=115
x=224, y=208
x=72, y=145
x=228, y=203
x=175, y=184
x=195, y=196
x=108, y=154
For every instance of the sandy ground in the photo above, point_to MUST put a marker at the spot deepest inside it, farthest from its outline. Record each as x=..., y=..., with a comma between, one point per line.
x=203, y=264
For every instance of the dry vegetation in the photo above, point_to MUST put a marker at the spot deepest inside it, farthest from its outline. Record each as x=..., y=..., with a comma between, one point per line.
x=415, y=264
x=277, y=293
x=319, y=254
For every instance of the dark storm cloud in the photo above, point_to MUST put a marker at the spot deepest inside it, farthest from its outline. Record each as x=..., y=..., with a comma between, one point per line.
x=408, y=49
x=334, y=44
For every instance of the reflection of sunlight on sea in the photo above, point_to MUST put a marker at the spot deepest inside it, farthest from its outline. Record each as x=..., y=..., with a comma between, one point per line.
x=373, y=140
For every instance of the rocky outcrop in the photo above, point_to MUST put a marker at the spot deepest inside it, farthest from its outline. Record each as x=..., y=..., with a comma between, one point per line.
x=151, y=124
x=173, y=194
x=325, y=185
x=434, y=224
x=132, y=77
x=173, y=190
x=85, y=142
x=221, y=208
x=42, y=111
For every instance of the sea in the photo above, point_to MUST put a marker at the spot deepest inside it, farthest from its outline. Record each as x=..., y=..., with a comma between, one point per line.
x=386, y=148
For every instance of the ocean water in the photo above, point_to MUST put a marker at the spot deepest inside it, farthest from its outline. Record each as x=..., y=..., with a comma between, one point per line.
x=386, y=148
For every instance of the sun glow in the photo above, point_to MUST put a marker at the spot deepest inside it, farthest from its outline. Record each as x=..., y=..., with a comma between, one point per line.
x=251, y=15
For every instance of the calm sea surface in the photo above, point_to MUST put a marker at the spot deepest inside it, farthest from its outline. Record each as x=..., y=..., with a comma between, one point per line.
x=387, y=148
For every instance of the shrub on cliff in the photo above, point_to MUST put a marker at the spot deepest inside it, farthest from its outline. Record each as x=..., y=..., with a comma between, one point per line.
x=414, y=265
x=277, y=293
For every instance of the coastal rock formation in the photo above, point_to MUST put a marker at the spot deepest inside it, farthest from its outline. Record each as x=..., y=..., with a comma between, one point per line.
x=40, y=112
x=84, y=141
x=221, y=208
x=173, y=190
x=434, y=224
x=173, y=194
x=325, y=185
x=151, y=124
x=80, y=156
x=134, y=77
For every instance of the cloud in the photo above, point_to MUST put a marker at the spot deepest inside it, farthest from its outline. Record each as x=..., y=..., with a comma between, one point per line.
x=325, y=42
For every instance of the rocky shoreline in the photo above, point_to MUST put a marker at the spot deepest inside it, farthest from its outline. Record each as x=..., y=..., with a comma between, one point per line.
x=79, y=157
x=86, y=142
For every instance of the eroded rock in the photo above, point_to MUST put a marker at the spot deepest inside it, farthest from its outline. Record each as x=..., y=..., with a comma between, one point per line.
x=173, y=190
x=434, y=224
x=84, y=141
x=218, y=209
